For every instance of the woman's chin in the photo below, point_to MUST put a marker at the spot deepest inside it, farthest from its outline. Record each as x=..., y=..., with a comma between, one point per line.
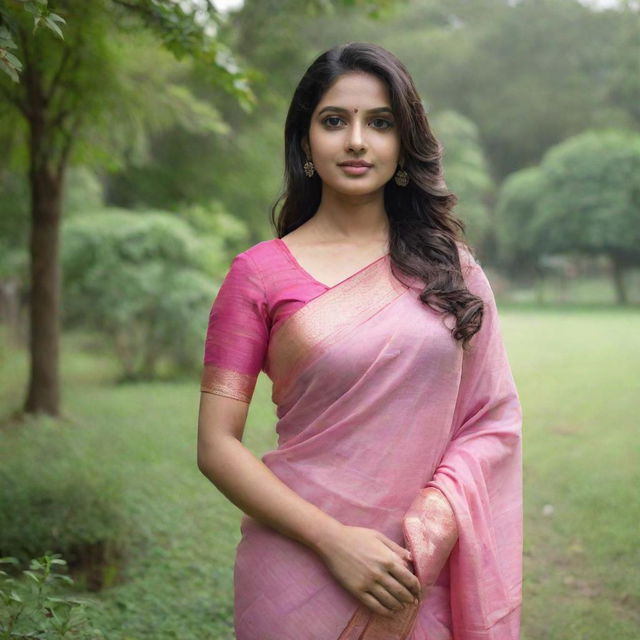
x=355, y=186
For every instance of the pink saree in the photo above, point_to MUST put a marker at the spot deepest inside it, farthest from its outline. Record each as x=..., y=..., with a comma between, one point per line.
x=383, y=422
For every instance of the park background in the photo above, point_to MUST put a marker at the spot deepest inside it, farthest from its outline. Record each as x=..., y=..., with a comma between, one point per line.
x=142, y=150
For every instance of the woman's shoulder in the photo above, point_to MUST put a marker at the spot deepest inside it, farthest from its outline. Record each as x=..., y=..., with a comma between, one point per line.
x=267, y=262
x=261, y=253
x=258, y=258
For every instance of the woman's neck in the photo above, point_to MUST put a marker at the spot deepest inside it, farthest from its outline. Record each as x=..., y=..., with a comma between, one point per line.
x=358, y=220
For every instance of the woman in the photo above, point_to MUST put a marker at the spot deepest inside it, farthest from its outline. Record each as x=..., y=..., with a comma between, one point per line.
x=392, y=505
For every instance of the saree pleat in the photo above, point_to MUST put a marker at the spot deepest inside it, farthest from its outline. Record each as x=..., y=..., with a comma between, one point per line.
x=384, y=422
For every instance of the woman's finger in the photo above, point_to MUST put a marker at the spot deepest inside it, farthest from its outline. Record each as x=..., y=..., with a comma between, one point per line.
x=375, y=605
x=392, y=583
x=385, y=596
x=409, y=584
x=394, y=546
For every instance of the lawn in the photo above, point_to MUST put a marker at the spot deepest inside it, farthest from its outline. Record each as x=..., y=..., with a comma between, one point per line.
x=578, y=376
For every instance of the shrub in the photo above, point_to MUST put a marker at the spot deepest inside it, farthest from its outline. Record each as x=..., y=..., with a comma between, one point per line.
x=54, y=496
x=36, y=607
x=137, y=279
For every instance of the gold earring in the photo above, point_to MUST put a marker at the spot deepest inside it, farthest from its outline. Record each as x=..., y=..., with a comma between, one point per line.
x=309, y=168
x=401, y=177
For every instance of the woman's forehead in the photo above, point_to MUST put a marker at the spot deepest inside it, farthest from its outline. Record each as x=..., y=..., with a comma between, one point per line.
x=356, y=92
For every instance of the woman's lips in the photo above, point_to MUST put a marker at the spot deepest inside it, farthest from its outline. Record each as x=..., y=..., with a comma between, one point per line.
x=354, y=171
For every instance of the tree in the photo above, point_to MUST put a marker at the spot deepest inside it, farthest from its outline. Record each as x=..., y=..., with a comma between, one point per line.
x=520, y=239
x=529, y=73
x=139, y=279
x=71, y=88
x=70, y=102
x=590, y=200
x=466, y=173
x=583, y=198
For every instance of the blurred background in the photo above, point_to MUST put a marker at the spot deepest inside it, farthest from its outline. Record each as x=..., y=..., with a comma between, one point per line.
x=142, y=149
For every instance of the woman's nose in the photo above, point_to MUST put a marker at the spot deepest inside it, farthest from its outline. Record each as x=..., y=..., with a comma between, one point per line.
x=356, y=139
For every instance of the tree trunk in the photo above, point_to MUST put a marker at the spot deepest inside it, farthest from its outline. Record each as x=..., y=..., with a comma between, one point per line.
x=617, y=271
x=43, y=394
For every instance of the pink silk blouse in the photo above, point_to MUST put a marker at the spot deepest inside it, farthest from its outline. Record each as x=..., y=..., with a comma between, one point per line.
x=251, y=304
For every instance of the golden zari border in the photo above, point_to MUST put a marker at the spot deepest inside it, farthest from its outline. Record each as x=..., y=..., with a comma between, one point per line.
x=326, y=318
x=430, y=532
x=226, y=382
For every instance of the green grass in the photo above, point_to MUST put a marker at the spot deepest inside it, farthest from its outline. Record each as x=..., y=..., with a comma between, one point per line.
x=577, y=375
x=578, y=378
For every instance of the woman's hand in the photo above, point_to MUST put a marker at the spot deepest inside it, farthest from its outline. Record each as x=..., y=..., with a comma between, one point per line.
x=372, y=567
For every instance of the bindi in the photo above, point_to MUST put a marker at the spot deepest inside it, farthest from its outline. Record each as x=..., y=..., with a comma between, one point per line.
x=355, y=111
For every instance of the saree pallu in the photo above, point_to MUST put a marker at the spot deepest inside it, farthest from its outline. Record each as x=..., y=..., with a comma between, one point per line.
x=384, y=422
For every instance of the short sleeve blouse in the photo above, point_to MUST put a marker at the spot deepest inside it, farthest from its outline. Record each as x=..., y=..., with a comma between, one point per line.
x=237, y=334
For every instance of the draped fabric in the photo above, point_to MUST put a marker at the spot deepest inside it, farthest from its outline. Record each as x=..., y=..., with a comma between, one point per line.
x=383, y=422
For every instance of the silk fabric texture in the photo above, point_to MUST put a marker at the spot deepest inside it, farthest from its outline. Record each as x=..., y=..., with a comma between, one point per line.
x=383, y=421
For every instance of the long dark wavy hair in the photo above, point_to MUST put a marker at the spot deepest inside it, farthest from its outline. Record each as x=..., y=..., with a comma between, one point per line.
x=423, y=229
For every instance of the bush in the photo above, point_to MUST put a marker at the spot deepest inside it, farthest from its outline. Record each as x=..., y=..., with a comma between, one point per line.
x=137, y=279
x=37, y=608
x=54, y=496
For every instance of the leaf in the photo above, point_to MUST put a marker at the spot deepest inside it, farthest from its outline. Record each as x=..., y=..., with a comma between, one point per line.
x=57, y=18
x=6, y=39
x=9, y=560
x=54, y=27
x=15, y=63
x=9, y=70
x=57, y=599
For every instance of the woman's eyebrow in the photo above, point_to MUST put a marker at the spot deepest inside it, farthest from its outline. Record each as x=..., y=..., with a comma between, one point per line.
x=343, y=110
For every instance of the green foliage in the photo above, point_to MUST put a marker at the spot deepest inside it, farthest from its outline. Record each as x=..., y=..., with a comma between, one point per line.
x=41, y=13
x=225, y=233
x=14, y=232
x=54, y=496
x=466, y=171
x=520, y=240
x=184, y=29
x=138, y=279
x=14, y=262
x=189, y=29
x=584, y=197
x=14, y=207
x=591, y=196
x=36, y=608
x=529, y=73
x=83, y=191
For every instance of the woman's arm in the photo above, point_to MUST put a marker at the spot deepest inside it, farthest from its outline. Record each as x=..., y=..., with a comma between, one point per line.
x=247, y=481
x=368, y=564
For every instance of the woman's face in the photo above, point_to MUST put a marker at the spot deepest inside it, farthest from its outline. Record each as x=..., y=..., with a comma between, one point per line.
x=353, y=121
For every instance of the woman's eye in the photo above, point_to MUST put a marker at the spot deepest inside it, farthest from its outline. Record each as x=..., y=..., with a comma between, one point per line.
x=326, y=120
x=387, y=123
